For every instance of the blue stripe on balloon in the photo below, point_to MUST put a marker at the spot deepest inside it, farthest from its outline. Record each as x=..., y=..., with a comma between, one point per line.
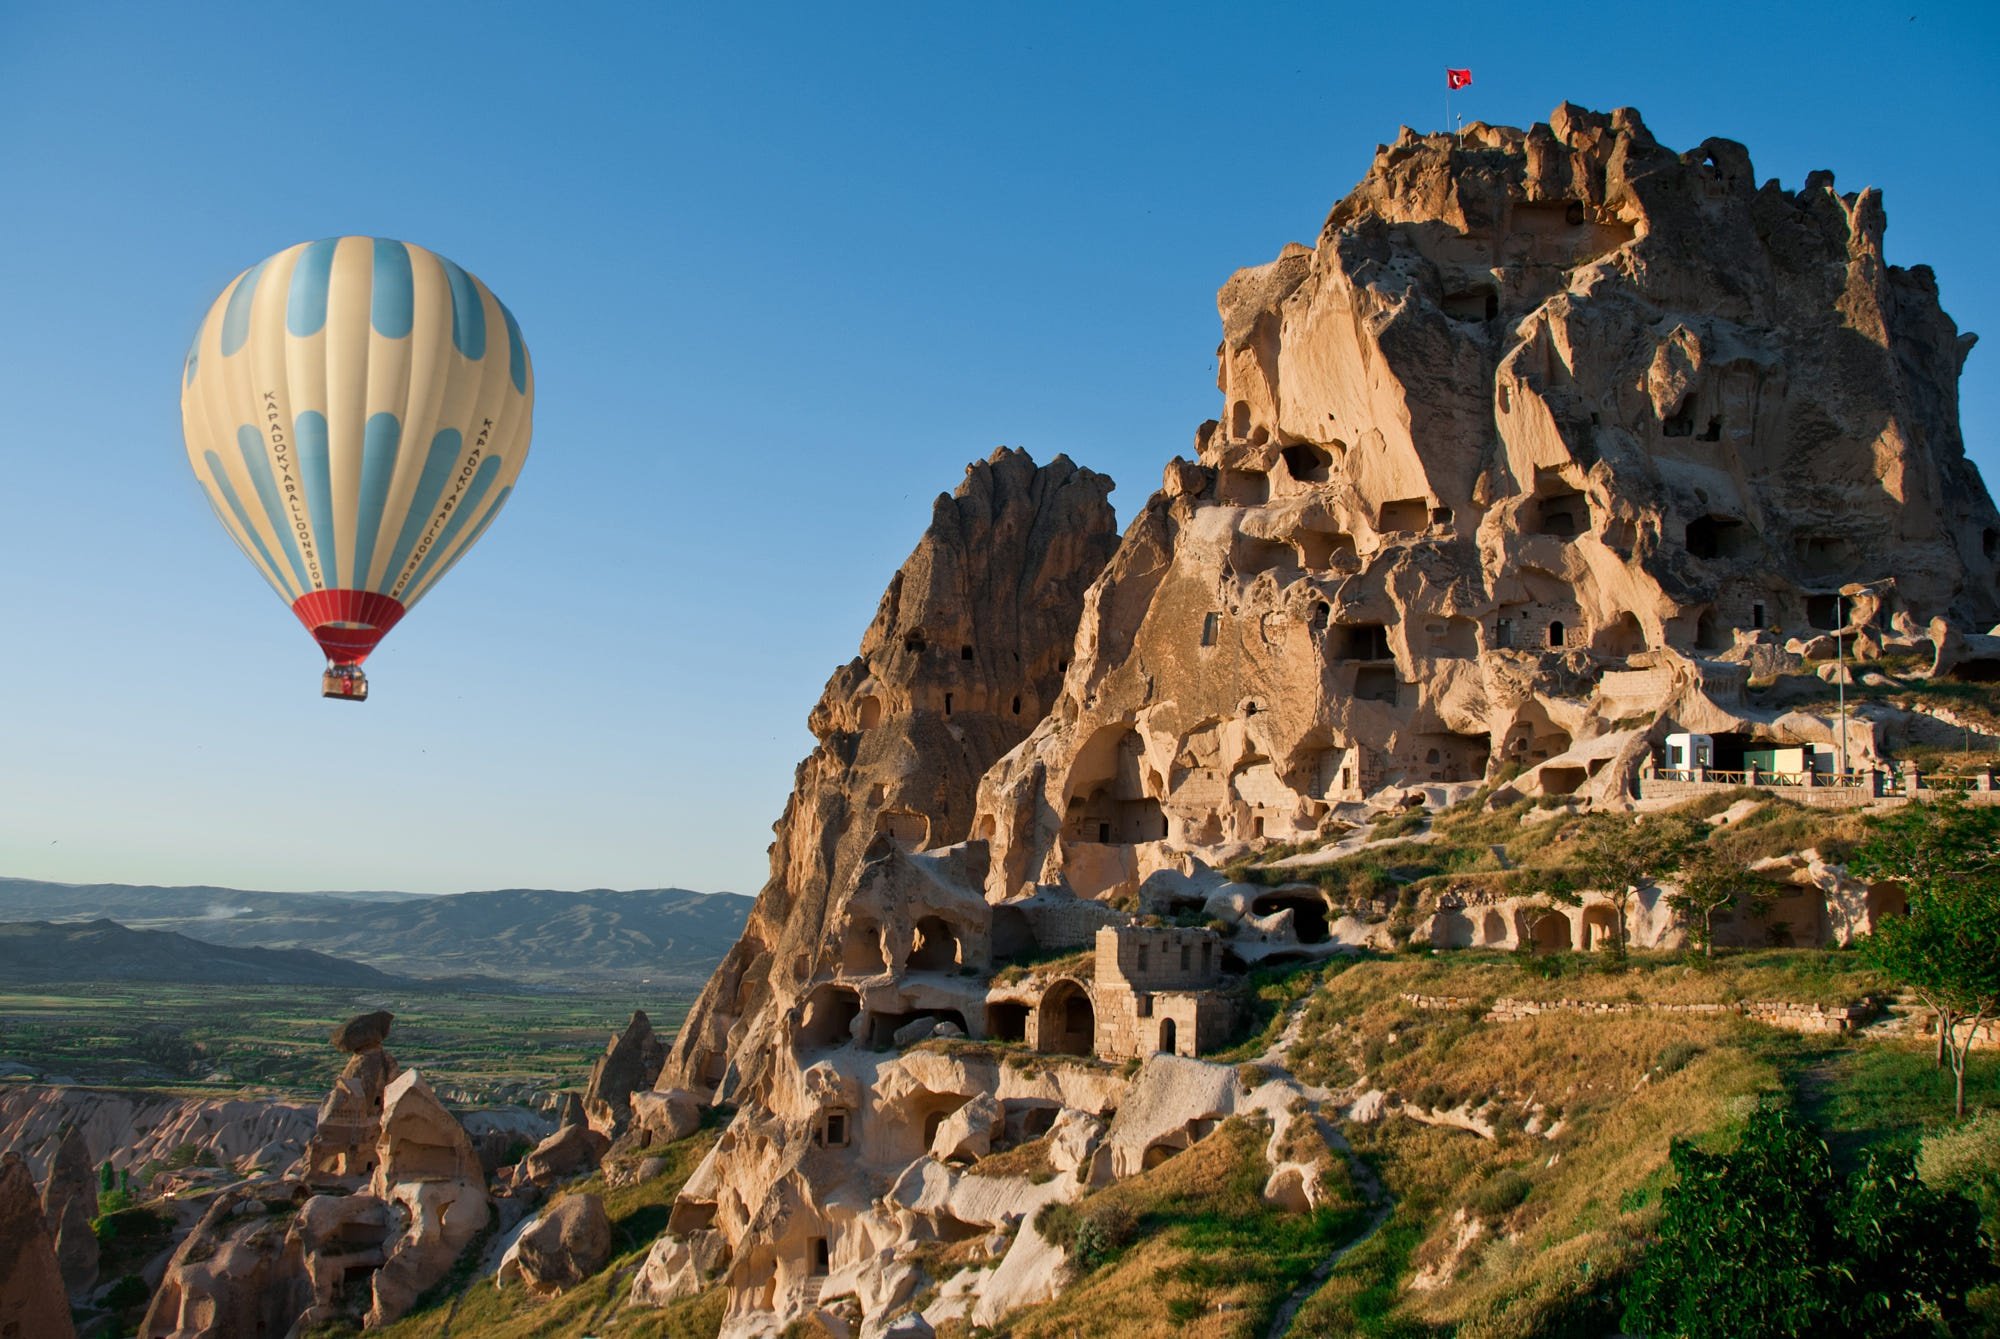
x=220, y=478
x=251, y=443
x=305, y=307
x=468, y=313
x=316, y=478
x=193, y=361
x=489, y=470
x=517, y=352
x=392, y=302
x=499, y=501
x=438, y=467
x=379, y=443
x=236, y=316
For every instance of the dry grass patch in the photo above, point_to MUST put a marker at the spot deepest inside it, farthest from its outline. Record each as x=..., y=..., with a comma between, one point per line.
x=1208, y=1257
x=1030, y=1159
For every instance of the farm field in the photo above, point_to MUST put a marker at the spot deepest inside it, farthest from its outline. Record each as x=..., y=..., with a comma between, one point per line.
x=471, y=1046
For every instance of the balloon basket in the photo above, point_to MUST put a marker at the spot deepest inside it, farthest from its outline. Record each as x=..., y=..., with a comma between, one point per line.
x=344, y=683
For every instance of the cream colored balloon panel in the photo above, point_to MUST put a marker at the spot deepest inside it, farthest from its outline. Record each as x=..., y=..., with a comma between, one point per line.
x=357, y=410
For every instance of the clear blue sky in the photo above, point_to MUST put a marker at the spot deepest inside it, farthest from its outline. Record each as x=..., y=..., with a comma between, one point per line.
x=784, y=271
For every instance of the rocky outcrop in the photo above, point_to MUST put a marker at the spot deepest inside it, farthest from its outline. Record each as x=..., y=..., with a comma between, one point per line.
x=240, y=1274
x=32, y=1299
x=630, y=1063
x=1552, y=442
x=966, y=652
x=69, y=1202
x=562, y=1248
x=131, y=1129
x=429, y=1176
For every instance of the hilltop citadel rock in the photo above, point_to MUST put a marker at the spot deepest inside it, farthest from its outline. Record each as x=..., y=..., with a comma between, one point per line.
x=1550, y=441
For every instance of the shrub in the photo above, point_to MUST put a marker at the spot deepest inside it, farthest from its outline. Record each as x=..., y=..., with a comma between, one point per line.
x=129, y=1291
x=1966, y=1161
x=1102, y=1231
x=1499, y=1194
x=1768, y=1240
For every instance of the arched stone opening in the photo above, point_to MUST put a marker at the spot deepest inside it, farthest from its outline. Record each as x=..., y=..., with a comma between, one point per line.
x=1564, y=514
x=1711, y=537
x=936, y=948
x=1169, y=1040
x=1309, y=915
x=1307, y=463
x=1562, y=778
x=1600, y=928
x=1492, y=930
x=1106, y=799
x=1557, y=634
x=1407, y=515
x=861, y=949
x=1550, y=933
x=829, y=1016
x=1621, y=637
x=1324, y=550
x=1067, y=1022
x=1158, y=1153
x=1007, y=1020
x=868, y=711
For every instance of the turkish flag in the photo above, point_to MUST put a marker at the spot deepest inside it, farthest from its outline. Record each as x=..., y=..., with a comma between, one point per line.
x=1457, y=78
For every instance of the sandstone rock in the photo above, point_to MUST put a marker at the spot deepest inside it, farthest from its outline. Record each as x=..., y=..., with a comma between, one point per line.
x=565, y=1246
x=967, y=1133
x=1525, y=463
x=342, y=1238
x=679, y=1266
x=69, y=1202
x=631, y=1063
x=430, y=1177
x=229, y=1279
x=572, y=1151
x=32, y=1299
x=664, y=1115
x=342, y=1151
x=363, y=1032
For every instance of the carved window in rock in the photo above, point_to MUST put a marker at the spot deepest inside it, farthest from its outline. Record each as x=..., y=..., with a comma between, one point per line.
x=1211, y=629
x=1361, y=641
x=1556, y=633
x=833, y=1128
x=822, y=1257
x=1187, y=956
x=1168, y=1040
x=1757, y=614
x=1403, y=515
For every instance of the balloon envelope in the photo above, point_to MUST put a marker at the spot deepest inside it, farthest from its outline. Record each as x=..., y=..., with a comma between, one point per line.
x=357, y=410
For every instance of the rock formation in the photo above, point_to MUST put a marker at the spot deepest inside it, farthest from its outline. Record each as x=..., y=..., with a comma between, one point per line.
x=69, y=1202
x=966, y=652
x=631, y=1063
x=430, y=1178
x=563, y=1247
x=32, y=1298
x=1538, y=454
x=239, y=1275
x=342, y=1152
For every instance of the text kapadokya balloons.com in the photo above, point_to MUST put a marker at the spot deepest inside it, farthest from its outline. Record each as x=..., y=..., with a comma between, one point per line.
x=357, y=411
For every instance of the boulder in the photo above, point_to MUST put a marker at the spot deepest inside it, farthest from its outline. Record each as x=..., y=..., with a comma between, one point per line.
x=363, y=1032
x=566, y=1245
x=429, y=1175
x=967, y=1133
x=32, y=1298
x=572, y=1151
x=664, y=1115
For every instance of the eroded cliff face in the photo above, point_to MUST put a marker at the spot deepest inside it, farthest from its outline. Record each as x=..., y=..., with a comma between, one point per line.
x=1550, y=439
x=965, y=653
x=1545, y=435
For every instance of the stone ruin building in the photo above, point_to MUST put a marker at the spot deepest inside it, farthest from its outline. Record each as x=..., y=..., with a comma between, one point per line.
x=1549, y=442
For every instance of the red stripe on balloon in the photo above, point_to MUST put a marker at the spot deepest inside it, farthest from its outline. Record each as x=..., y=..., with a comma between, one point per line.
x=323, y=611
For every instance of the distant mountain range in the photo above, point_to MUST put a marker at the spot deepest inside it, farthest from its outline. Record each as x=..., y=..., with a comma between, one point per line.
x=38, y=952
x=530, y=935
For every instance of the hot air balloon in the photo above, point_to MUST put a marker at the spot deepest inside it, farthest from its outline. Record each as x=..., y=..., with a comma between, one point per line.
x=357, y=411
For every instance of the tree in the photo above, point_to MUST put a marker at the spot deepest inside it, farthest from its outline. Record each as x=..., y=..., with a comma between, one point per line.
x=1767, y=1240
x=1618, y=856
x=1946, y=950
x=1706, y=884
